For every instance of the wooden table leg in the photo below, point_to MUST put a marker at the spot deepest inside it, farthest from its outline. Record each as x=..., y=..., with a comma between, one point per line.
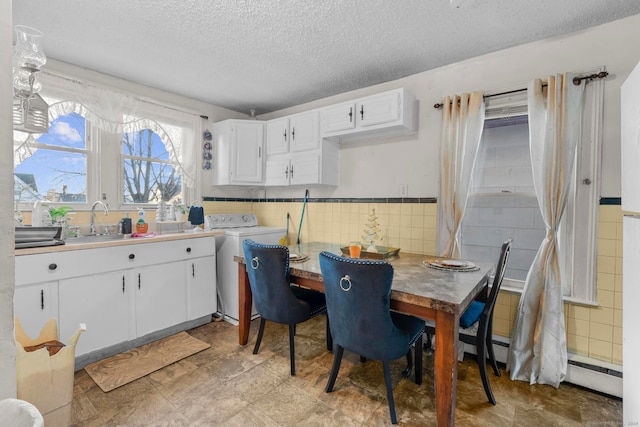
x=246, y=299
x=446, y=367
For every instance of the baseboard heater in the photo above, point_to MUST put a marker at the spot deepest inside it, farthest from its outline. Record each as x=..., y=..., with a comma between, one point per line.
x=583, y=371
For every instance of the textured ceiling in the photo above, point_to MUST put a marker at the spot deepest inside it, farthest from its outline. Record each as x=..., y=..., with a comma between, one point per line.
x=268, y=55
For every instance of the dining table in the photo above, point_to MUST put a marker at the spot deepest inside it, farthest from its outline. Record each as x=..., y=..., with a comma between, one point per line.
x=417, y=289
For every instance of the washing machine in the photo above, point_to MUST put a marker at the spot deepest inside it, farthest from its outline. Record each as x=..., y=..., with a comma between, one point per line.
x=237, y=228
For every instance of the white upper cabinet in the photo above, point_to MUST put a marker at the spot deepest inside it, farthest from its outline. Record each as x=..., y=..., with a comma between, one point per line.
x=237, y=150
x=386, y=113
x=307, y=160
x=300, y=132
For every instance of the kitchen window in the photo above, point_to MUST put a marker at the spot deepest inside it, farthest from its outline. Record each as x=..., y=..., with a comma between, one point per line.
x=96, y=149
x=502, y=201
x=53, y=167
x=149, y=175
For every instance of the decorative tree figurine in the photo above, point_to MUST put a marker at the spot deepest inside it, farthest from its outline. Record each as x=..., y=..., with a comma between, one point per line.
x=371, y=232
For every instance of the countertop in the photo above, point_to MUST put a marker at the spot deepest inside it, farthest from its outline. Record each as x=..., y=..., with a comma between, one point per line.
x=71, y=246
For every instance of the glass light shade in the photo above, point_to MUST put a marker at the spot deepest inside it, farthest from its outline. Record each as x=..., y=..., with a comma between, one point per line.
x=28, y=50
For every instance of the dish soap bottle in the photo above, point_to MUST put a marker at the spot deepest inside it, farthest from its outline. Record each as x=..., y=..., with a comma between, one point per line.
x=141, y=225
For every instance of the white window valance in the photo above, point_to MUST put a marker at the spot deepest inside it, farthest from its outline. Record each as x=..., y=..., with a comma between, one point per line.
x=117, y=112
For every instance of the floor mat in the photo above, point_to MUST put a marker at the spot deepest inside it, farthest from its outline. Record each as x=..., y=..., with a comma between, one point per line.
x=123, y=368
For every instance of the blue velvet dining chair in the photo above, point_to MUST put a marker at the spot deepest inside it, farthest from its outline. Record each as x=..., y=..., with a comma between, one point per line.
x=275, y=299
x=358, y=306
x=476, y=323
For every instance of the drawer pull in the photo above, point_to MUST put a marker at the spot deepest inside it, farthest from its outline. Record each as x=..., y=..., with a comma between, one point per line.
x=188, y=250
x=53, y=266
x=41, y=299
x=131, y=256
x=123, y=283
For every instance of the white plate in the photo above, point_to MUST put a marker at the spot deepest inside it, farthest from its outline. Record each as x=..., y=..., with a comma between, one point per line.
x=454, y=263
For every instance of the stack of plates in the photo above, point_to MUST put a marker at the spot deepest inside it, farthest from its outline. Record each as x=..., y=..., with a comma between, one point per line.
x=450, y=264
x=298, y=257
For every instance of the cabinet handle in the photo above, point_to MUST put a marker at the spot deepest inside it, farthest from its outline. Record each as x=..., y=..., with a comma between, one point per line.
x=286, y=172
x=123, y=283
x=293, y=134
x=41, y=299
x=139, y=280
x=131, y=256
x=285, y=135
x=259, y=152
x=188, y=250
x=53, y=266
x=361, y=111
x=291, y=171
x=193, y=270
x=350, y=114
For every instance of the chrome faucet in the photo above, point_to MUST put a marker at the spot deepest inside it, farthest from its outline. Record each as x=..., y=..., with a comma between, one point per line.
x=92, y=224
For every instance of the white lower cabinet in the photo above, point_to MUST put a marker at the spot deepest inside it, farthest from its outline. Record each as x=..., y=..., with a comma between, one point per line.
x=160, y=294
x=120, y=292
x=201, y=287
x=103, y=303
x=34, y=305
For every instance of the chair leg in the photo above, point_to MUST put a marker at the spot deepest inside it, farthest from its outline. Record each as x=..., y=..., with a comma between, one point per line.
x=482, y=364
x=337, y=358
x=292, y=350
x=387, y=380
x=259, y=339
x=492, y=357
x=418, y=369
x=329, y=337
x=407, y=372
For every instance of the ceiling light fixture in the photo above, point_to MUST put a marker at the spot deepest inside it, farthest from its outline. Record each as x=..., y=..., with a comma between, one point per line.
x=30, y=111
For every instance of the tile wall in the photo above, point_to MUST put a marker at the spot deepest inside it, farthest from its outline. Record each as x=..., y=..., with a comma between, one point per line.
x=594, y=332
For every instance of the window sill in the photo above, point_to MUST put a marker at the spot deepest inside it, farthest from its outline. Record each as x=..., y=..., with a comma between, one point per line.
x=567, y=299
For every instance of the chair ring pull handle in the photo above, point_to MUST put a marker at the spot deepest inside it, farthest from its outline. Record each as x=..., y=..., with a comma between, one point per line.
x=345, y=279
x=255, y=262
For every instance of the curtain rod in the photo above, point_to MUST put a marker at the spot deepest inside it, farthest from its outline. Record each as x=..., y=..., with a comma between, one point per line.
x=576, y=81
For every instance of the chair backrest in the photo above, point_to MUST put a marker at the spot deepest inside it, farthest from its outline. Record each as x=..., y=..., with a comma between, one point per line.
x=268, y=271
x=497, y=278
x=358, y=296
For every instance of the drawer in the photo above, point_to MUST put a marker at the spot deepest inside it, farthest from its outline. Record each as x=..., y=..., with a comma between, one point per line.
x=66, y=264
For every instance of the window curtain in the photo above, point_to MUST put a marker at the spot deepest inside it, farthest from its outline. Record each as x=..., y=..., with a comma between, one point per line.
x=116, y=112
x=462, y=124
x=538, y=350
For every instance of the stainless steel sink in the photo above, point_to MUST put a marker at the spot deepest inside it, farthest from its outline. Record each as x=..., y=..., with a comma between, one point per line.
x=95, y=238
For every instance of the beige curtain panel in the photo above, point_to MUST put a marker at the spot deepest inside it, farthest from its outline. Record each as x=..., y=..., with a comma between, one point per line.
x=462, y=124
x=538, y=350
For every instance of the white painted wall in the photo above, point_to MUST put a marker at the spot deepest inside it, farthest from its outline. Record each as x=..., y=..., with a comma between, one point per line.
x=7, y=347
x=377, y=168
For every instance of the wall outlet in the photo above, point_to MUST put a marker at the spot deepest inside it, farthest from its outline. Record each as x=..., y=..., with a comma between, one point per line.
x=404, y=190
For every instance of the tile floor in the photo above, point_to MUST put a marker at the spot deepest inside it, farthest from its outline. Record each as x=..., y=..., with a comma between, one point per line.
x=227, y=385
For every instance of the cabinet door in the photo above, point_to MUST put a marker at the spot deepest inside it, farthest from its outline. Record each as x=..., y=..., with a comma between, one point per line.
x=201, y=287
x=305, y=131
x=278, y=136
x=339, y=118
x=102, y=302
x=277, y=172
x=378, y=109
x=305, y=169
x=161, y=297
x=247, y=152
x=34, y=305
